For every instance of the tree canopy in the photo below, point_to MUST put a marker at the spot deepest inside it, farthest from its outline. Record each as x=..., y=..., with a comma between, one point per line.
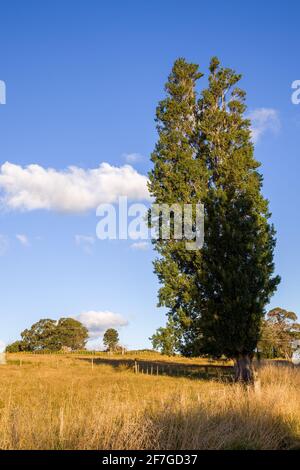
x=279, y=330
x=111, y=339
x=166, y=339
x=52, y=335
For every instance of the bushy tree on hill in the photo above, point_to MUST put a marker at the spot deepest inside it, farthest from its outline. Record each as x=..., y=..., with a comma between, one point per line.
x=111, y=339
x=71, y=333
x=52, y=335
x=15, y=347
x=279, y=331
x=204, y=154
x=41, y=335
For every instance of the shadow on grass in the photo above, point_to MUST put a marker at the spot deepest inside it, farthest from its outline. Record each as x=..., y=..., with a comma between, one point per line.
x=202, y=429
x=170, y=368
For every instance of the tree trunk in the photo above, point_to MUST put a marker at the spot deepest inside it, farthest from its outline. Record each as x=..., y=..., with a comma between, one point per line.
x=243, y=369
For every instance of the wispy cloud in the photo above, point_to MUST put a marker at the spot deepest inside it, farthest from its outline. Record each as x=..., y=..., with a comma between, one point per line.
x=264, y=120
x=23, y=239
x=97, y=322
x=140, y=246
x=4, y=243
x=71, y=190
x=86, y=241
x=132, y=157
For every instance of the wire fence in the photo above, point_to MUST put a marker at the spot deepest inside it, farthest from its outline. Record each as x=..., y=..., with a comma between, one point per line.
x=150, y=366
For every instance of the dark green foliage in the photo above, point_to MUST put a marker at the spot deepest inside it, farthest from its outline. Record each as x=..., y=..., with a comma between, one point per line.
x=204, y=153
x=16, y=346
x=40, y=335
x=71, y=333
x=236, y=279
x=178, y=176
x=111, y=339
x=53, y=335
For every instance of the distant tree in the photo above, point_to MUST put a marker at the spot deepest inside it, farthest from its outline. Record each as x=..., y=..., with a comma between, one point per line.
x=268, y=342
x=16, y=346
x=53, y=335
x=41, y=335
x=278, y=332
x=166, y=339
x=71, y=333
x=111, y=339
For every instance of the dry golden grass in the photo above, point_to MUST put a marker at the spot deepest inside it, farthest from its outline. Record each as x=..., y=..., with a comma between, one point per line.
x=60, y=402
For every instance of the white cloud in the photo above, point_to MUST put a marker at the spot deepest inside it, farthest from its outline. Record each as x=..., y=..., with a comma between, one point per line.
x=71, y=190
x=2, y=346
x=86, y=241
x=98, y=321
x=3, y=244
x=263, y=120
x=132, y=157
x=140, y=246
x=23, y=239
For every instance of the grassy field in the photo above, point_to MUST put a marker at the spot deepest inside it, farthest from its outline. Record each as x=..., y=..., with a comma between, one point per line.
x=66, y=402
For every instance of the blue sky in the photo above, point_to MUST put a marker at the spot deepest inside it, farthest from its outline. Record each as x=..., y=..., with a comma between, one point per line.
x=83, y=79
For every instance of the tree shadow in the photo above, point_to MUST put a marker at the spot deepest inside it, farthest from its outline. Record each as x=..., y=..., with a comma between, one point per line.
x=219, y=429
x=170, y=368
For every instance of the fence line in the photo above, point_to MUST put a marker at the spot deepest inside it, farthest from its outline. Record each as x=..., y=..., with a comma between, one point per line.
x=145, y=366
x=195, y=370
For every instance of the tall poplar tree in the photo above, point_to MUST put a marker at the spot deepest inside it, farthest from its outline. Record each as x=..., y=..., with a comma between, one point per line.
x=178, y=177
x=204, y=153
x=237, y=269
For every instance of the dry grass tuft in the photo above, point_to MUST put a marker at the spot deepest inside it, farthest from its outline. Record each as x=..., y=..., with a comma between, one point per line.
x=62, y=403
